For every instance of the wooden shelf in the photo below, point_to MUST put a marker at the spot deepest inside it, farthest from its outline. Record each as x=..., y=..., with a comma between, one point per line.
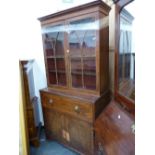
x=85, y=73
x=53, y=57
x=84, y=56
x=90, y=73
x=58, y=71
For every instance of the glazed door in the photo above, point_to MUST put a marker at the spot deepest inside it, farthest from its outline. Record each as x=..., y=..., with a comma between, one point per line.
x=125, y=55
x=82, y=52
x=54, y=49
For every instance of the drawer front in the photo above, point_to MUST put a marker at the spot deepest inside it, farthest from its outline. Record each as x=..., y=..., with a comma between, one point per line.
x=68, y=105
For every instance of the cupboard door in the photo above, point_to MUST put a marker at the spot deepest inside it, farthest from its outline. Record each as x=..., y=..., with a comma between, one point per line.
x=80, y=135
x=53, y=124
x=82, y=47
x=53, y=39
x=72, y=132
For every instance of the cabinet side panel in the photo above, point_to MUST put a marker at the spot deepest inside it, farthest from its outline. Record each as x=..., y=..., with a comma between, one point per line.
x=104, y=53
x=53, y=124
x=101, y=103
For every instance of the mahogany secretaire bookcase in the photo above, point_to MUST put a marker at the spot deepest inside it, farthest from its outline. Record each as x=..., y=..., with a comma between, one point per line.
x=76, y=52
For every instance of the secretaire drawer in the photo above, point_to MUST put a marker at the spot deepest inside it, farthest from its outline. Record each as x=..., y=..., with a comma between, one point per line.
x=68, y=105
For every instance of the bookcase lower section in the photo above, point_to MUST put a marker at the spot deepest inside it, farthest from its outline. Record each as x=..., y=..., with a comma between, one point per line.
x=69, y=119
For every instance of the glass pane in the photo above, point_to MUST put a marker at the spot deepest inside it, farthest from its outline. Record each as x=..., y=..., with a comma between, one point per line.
x=76, y=72
x=51, y=64
x=89, y=43
x=126, y=65
x=74, y=44
x=89, y=66
x=89, y=81
x=76, y=80
x=51, y=70
x=59, y=51
x=61, y=78
x=52, y=77
x=54, y=50
x=60, y=62
x=82, y=43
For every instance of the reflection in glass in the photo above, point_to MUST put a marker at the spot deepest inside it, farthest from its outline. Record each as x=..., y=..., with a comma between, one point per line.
x=54, y=49
x=82, y=44
x=126, y=58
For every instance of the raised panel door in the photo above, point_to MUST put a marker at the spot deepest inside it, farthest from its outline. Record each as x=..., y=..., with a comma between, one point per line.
x=53, y=124
x=81, y=135
x=71, y=131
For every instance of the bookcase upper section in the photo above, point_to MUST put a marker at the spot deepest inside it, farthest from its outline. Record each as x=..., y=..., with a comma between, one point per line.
x=76, y=46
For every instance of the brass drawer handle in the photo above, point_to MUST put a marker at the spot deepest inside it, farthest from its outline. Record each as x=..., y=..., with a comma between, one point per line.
x=50, y=101
x=77, y=109
x=67, y=50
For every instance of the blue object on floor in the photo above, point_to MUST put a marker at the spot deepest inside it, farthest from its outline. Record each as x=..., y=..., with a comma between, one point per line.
x=51, y=148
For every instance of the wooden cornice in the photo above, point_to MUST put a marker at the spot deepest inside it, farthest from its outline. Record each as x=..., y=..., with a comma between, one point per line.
x=77, y=8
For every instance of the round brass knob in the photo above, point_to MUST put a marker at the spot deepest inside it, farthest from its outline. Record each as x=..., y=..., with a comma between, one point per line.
x=50, y=101
x=77, y=109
